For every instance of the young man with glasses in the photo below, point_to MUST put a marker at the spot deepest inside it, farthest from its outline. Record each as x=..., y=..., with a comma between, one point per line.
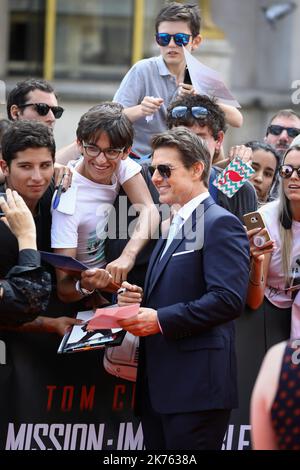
x=151, y=84
x=33, y=100
x=104, y=136
x=204, y=116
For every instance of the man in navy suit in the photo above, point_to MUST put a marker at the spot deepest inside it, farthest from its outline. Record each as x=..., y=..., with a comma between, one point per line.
x=195, y=287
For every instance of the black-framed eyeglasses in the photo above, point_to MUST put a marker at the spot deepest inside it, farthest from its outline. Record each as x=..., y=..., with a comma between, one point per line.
x=43, y=109
x=180, y=39
x=276, y=130
x=164, y=170
x=286, y=171
x=94, y=151
x=198, y=112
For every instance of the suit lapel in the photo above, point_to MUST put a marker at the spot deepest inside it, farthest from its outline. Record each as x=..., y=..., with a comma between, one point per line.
x=153, y=261
x=159, y=266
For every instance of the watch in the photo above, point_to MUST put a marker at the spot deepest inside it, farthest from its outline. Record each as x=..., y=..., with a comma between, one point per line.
x=84, y=292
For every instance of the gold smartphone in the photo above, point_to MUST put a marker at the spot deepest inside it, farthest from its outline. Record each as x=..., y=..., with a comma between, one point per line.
x=255, y=220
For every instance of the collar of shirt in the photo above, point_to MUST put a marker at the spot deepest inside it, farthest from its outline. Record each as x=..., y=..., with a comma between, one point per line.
x=186, y=210
x=161, y=65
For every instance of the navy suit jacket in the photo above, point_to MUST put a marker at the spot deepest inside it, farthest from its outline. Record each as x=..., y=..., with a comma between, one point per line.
x=197, y=293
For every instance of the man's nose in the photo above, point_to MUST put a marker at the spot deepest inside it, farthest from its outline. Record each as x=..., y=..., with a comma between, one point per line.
x=36, y=174
x=172, y=42
x=284, y=135
x=101, y=157
x=156, y=176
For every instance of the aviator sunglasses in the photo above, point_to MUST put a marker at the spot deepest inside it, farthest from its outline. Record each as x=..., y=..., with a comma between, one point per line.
x=43, y=109
x=180, y=39
x=164, y=170
x=286, y=171
x=197, y=112
x=276, y=130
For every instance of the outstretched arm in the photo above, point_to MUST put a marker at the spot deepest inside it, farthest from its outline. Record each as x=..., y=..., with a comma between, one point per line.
x=233, y=116
x=148, y=221
x=262, y=433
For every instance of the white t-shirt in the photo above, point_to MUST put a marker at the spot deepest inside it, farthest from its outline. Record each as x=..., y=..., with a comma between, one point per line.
x=275, y=280
x=91, y=203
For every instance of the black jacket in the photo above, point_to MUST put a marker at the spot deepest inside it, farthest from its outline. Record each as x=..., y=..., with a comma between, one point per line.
x=25, y=290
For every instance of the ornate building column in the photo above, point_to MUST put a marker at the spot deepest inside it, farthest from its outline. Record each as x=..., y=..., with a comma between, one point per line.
x=4, y=34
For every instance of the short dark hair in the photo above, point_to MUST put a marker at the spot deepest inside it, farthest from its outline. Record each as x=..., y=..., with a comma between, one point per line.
x=4, y=124
x=284, y=113
x=175, y=11
x=23, y=135
x=18, y=94
x=214, y=120
x=108, y=117
x=191, y=147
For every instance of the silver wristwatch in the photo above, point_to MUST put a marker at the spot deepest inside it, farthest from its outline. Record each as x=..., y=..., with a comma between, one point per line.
x=82, y=291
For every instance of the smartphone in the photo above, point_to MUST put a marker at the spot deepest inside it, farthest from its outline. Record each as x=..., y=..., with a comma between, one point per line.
x=187, y=77
x=255, y=220
x=4, y=197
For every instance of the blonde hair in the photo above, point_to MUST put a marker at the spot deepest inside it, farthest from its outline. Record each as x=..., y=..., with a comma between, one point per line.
x=285, y=226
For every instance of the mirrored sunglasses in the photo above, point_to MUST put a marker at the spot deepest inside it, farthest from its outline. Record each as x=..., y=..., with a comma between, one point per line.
x=276, y=130
x=43, y=109
x=180, y=39
x=286, y=171
x=198, y=112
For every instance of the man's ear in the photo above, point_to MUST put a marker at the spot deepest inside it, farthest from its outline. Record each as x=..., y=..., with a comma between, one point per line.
x=79, y=145
x=196, y=42
x=198, y=168
x=4, y=167
x=219, y=141
x=126, y=153
x=15, y=112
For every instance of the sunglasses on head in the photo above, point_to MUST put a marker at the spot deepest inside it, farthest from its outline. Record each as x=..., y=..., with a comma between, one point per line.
x=199, y=112
x=163, y=170
x=286, y=171
x=180, y=39
x=276, y=130
x=43, y=109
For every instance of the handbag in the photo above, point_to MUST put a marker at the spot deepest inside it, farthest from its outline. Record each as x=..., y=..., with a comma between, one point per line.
x=121, y=361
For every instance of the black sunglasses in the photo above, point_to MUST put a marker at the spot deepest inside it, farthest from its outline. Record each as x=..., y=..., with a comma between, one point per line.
x=43, y=109
x=286, y=171
x=180, y=39
x=276, y=130
x=199, y=112
x=164, y=170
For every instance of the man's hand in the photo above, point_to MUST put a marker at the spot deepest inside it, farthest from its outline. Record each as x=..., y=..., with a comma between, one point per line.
x=95, y=279
x=241, y=151
x=186, y=89
x=61, y=325
x=62, y=174
x=120, y=267
x=150, y=105
x=131, y=295
x=145, y=323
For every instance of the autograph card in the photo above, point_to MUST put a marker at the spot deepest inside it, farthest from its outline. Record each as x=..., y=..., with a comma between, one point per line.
x=233, y=177
x=108, y=317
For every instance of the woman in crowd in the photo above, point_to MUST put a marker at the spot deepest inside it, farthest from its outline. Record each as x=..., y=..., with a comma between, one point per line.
x=25, y=291
x=265, y=162
x=275, y=270
x=275, y=403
